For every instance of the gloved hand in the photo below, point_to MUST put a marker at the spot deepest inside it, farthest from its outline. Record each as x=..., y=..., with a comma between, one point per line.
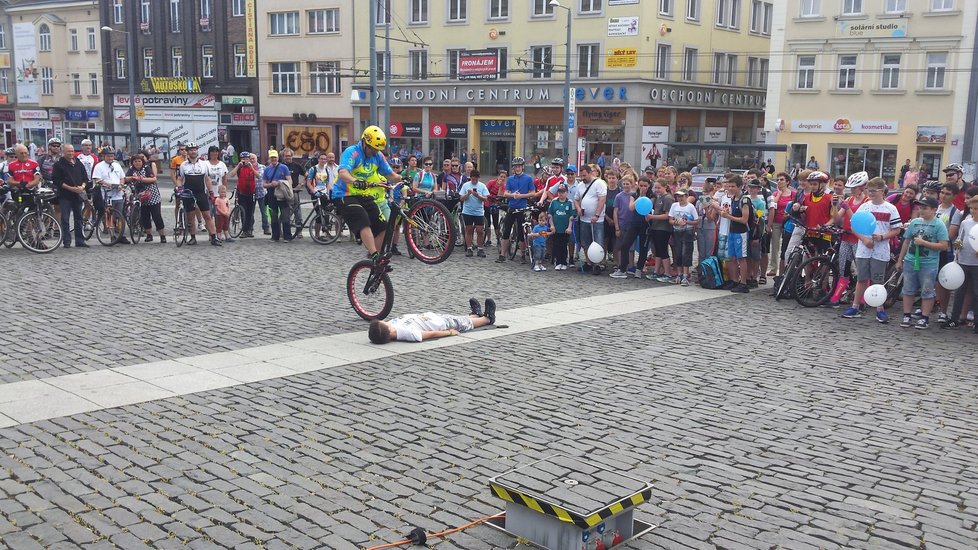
x=361, y=185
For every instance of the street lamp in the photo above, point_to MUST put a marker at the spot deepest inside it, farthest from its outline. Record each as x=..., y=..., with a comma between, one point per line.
x=567, y=88
x=130, y=57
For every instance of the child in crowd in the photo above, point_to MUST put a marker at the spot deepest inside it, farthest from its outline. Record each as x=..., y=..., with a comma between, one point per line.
x=623, y=220
x=223, y=209
x=683, y=217
x=561, y=212
x=873, y=251
x=538, y=243
x=924, y=240
x=757, y=255
x=968, y=260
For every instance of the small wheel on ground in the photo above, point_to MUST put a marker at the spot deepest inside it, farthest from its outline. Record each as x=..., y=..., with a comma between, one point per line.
x=371, y=294
x=39, y=232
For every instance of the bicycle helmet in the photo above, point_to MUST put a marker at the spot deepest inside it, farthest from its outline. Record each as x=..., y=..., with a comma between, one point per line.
x=933, y=186
x=953, y=167
x=54, y=141
x=518, y=161
x=9, y=151
x=396, y=162
x=857, y=180
x=557, y=161
x=190, y=145
x=818, y=176
x=374, y=137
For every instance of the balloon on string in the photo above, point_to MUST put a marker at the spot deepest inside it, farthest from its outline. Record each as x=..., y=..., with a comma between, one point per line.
x=951, y=276
x=875, y=296
x=595, y=253
x=643, y=206
x=863, y=223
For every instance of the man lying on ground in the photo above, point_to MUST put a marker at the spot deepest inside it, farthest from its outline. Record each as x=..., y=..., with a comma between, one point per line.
x=426, y=326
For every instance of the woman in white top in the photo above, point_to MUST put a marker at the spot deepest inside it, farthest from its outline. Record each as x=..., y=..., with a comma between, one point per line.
x=217, y=171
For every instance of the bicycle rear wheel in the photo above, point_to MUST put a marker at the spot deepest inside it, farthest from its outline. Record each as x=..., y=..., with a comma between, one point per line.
x=329, y=228
x=88, y=221
x=135, y=225
x=431, y=234
x=108, y=232
x=234, y=223
x=816, y=281
x=893, y=285
x=39, y=232
x=514, y=243
x=371, y=293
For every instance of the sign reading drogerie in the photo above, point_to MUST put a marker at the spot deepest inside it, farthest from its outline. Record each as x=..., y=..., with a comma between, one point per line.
x=478, y=65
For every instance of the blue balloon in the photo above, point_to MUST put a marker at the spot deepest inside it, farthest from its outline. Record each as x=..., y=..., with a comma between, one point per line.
x=863, y=223
x=643, y=206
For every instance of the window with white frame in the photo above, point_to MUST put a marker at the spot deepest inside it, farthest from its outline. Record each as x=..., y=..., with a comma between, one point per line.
x=419, y=64
x=240, y=60
x=4, y=81
x=763, y=70
x=92, y=83
x=383, y=63
x=176, y=61
x=283, y=24
x=689, y=64
x=3, y=37
x=587, y=60
x=810, y=8
x=752, y=68
x=453, y=56
x=502, y=61
x=148, y=62
x=663, y=60
x=174, y=15
x=324, y=21
x=44, y=37
x=895, y=6
x=542, y=7
x=458, y=10
x=324, y=77
x=806, y=72
x=498, y=9
x=120, y=63
x=768, y=19
x=542, y=61
x=890, y=74
x=118, y=12
x=205, y=10
x=720, y=68
x=852, y=7
x=693, y=10
x=91, y=39
x=285, y=78
x=144, y=11
x=383, y=12
x=665, y=8
x=590, y=6
x=419, y=12
x=728, y=14
x=936, y=68
x=237, y=8
x=73, y=40
x=47, y=81
x=847, y=72
x=207, y=61
x=941, y=5
x=75, y=84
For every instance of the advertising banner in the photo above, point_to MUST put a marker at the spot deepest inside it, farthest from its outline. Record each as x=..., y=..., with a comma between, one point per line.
x=478, y=65
x=25, y=57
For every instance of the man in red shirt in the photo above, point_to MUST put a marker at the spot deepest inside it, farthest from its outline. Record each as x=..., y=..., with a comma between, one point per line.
x=24, y=173
x=247, y=173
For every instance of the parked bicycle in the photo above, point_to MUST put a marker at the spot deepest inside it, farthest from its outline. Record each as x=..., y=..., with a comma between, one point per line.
x=817, y=276
x=323, y=223
x=29, y=221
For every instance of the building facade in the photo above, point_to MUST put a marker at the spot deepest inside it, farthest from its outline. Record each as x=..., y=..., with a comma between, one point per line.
x=57, y=69
x=679, y=80
x=8, y=80
x=305, y=57
x=195, y=65
x=868, y=85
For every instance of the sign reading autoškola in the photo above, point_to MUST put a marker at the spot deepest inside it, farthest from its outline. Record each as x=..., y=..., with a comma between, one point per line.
x=171, y=85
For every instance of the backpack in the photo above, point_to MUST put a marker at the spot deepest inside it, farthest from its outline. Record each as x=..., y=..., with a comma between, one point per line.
x=709, y=273
x=752, y=225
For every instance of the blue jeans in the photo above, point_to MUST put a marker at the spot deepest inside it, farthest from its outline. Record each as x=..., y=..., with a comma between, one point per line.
x=921, y=280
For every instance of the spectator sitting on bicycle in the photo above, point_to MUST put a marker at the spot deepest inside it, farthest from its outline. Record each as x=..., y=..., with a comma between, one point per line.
x=355, y=199
x=426, y=326
x=553, y=179
x=109, y=174
x=24, y=173
x=519, y=188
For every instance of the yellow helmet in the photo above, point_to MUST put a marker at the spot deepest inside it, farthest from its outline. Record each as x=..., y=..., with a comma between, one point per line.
x=374, y=137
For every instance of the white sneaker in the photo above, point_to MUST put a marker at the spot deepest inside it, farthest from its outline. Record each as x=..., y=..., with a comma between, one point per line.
x=536, y=268
x=543, y=268
x=616, y=274
x=560, y=267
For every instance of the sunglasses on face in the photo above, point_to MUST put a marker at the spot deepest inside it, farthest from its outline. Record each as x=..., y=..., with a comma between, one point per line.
x=428, y=164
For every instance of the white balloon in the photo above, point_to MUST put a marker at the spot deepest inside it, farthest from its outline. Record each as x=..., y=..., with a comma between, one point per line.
x=973, y=237
x=951, y=276
x=875, y=295
x=595, y=253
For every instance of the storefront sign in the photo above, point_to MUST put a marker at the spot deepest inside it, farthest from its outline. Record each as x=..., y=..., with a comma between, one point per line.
x=710, y=97
x=76, y=115
x=623, y=26
x=617, y=58
x=307, y=139
x=25, y=55
x=34, y=114
x=171, y=85
x=597, y=116
x=458, y=131
x=7, y=116
x=237, y=100
x=204, y=101
x=845, y=126
x=404, y=129
x=251, y=40
x=478, y=65
x=931, y=134
x=244, y=119
x=37, y=124
x=715, y=134
x=542, y=139
x=500, y=128
x=874, y=28
x=655, y=134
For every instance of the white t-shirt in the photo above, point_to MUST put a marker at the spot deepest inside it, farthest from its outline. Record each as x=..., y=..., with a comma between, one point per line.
x=89, y=161
x=687, y=212
x=111, y=177
x=967, y=255
x=589, y=202
x=217, y=172
x=724, y=224
x=410, y=327
x=887, y=218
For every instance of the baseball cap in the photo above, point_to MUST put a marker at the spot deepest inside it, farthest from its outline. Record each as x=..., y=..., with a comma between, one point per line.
x=86, y=142
x=682, y=191
x=562, y=187
x=649, y=169
x=571, y=168
x=755, y=183
x=272, y=153
x=929, y=202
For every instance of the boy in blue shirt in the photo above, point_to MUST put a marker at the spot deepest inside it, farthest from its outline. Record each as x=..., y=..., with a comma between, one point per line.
x=474, y=195
x=925, y=239
x=538, y=241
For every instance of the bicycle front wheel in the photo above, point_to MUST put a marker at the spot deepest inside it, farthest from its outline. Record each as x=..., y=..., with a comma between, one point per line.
x=109, y=231
x=39, y=232
x=816, y=281
x=328, y=226
x=893, y=285
x=135, y=225
x=371, y=293
x=235, y=224
x=431, y=233
x=88, y=221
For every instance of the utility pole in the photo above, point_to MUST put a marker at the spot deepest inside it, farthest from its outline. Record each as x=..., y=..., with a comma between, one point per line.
x=373, y=61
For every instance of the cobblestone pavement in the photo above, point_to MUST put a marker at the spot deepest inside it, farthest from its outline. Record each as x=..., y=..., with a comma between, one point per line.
x=800, y=441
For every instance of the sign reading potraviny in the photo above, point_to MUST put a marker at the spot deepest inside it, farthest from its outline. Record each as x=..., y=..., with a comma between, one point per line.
x=478, y=65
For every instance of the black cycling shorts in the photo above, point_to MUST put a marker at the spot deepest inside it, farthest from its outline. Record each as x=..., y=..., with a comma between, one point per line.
x=202, y=202
x=359, y=212
x=511, y=220
x=473, y=220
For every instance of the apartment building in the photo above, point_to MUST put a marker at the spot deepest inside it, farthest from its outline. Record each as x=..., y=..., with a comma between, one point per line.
x=869, y=84
x=683, y=80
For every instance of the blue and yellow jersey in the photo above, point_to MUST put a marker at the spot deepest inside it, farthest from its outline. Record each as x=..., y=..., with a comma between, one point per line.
x=362, y=167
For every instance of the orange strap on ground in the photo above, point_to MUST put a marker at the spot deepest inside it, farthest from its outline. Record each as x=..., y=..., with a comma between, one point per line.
x=440, y=534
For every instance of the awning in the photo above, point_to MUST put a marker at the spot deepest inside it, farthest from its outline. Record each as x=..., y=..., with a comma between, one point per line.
x=727, y=146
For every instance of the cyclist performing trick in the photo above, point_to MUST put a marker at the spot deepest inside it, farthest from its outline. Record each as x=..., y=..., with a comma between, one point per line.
x=355, y=198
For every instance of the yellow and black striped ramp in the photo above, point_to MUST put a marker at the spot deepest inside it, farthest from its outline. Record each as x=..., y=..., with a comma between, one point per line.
x=582, y=521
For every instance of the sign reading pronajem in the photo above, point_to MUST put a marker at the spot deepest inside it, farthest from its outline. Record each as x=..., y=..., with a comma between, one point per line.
x=478, y=65
x=845, y=126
